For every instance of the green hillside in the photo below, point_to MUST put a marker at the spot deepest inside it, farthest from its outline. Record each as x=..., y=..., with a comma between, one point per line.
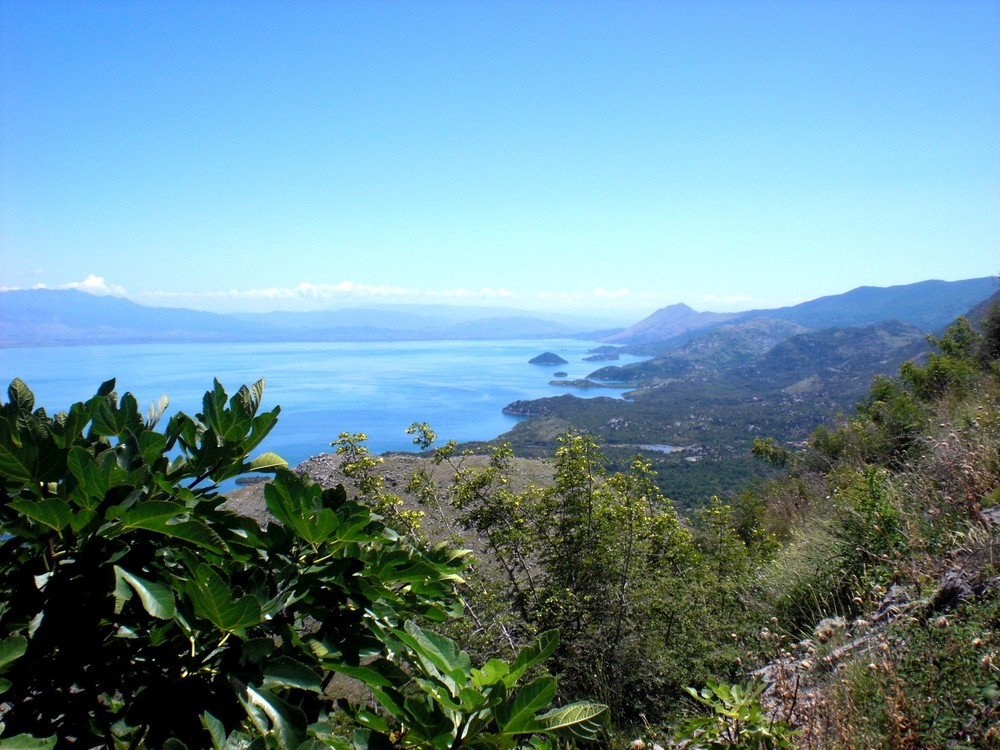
x=849, y=599
x=715, y=394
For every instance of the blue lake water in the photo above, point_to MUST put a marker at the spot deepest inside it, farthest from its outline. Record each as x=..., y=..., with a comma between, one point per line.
x=458, y=387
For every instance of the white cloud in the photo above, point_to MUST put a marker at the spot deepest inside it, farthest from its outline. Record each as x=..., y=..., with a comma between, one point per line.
x=91, y=285
x=308, y=290
x=95, y=285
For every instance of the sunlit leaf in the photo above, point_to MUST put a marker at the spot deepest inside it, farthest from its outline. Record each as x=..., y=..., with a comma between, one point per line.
x=157, y=599
x=27, y=742
x=52, y=512
x=12, y=648
x=214, y=601
x=519, y=716
x=267, y=462
x=271, y=716
x=534, y=653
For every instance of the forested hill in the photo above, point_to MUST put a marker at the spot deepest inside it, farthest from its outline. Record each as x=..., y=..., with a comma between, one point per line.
x=712, y=388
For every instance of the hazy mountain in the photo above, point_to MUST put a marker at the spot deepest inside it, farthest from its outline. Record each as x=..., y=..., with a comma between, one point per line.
x=59, y=317
x=421, y=322
x=928, y=305
x=68, y=316
x=55, y=317
x=666, y=323
x=415, y=317
x=777, y=353
x=978, y=313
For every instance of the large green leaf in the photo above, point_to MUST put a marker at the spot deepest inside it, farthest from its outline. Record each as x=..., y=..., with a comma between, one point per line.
x=52, y=512
x=68, y=426
x=27, y=742
x=372, y=675
x=261, y=425
x=15, y=461
x=245, y=403
x=287, y=672
x=437, y=651
x=298, y=504
x=519, y=716
x=171, y=519
x=12, y=648
x=216, y=730
x=152, y=446
x=230, y=424
x=540, y=649
x=19, y=397
x=492, y=672
x=157, y=599
x=272, y=716
x=111, y=421
x=368, y=718
x=214, y=601
x=267, y=462
x=580, y=717
x=92, y=484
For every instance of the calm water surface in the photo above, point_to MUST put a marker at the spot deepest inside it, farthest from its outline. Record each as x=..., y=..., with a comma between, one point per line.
x=458, y=387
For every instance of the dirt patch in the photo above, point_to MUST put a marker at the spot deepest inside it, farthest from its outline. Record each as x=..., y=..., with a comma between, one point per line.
x=438, y=523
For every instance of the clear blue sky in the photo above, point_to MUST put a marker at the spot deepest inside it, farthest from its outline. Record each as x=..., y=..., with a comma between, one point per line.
x=580, y=155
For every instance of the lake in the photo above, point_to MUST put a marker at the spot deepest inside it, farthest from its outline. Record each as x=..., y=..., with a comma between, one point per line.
x=457, y=387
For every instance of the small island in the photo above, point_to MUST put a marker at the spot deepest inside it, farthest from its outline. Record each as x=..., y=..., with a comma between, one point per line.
x=560, y=374
x=548, y=358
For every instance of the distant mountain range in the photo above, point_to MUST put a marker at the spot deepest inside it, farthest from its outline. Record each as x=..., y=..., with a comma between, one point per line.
x=48, y=317
x=62, y=317
x=927, y=305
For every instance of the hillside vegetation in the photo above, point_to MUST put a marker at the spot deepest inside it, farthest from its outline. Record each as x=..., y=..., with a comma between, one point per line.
x=713, y=383
x=860, y=582
x=715, y=394
x=849, y=599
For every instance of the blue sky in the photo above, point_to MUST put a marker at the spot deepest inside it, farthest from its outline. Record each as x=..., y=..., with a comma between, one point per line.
x=616, y=156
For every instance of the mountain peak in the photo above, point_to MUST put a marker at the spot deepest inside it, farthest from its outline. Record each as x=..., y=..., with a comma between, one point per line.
x=666, y=323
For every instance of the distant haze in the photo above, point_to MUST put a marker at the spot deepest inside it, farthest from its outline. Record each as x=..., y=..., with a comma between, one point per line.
x=70, y=316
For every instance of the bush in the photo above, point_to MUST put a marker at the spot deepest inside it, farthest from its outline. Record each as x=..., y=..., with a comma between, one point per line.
x=736, y=720
x=137, y=610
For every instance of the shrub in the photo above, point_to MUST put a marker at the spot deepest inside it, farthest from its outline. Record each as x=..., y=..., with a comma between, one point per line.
x=736, y=720
x=137, y=610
